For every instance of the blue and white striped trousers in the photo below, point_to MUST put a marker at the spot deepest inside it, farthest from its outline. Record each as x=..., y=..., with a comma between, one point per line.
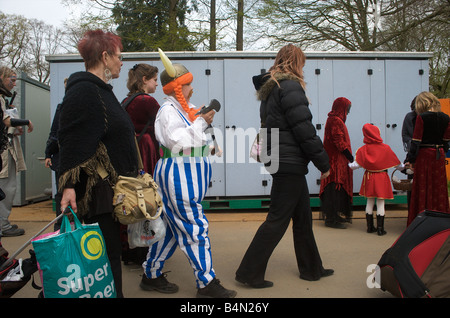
x=183, y=182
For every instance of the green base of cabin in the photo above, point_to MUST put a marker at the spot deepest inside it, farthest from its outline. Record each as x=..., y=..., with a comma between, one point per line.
x=251, y=203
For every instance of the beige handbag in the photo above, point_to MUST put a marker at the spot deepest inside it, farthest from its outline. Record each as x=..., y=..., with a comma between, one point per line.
x=135, y=198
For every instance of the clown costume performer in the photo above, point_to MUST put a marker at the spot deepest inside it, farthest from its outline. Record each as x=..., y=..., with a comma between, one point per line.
x=183, y=174
x=376, y=157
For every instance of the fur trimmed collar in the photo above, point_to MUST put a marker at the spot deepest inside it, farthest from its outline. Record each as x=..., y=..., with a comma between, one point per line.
x=270, y=83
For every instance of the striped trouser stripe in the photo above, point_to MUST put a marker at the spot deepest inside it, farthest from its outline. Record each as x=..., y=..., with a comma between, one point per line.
x=183, y=182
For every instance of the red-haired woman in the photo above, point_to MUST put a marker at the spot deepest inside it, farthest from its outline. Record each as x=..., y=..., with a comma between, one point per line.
x=284, y=111
x=95, y=130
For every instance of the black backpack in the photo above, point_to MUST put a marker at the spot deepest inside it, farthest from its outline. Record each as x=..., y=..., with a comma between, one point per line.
x=125, y=105
x=418, y=263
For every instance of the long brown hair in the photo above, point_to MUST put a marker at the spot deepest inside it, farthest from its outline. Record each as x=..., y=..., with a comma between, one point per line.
x=136, y=74
x=289, y=60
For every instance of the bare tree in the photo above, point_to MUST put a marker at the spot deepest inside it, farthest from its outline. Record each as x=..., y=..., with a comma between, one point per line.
x=44, y=40
x=432, y=35
x=212, y=27
x=14, y=39
x=366, y=25
x=352, y=25
x=240, y=26
x=24, y=44
x=221, y=30
x=209, y=25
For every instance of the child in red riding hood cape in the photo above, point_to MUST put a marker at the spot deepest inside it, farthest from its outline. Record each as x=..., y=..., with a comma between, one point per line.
x=376, y=157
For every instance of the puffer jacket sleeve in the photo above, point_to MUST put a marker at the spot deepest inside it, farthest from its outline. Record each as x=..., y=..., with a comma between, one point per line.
x=295, y=108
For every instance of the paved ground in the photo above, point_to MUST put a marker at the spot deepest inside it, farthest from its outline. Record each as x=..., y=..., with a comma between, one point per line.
x=349, y=252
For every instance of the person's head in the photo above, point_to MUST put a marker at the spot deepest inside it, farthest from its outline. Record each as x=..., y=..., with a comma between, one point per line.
x=426, y=101
x=372, y=134
x=142, y=78
x=9, y=77
x=340, y=108
x=289, y=60
x=176, y=81
x=178, y=85
x=101, y=49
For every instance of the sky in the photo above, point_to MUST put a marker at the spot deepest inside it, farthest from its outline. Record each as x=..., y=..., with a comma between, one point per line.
x=52, y=12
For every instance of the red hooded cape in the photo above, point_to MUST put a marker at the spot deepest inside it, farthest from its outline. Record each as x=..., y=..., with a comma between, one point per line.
x=375, y=155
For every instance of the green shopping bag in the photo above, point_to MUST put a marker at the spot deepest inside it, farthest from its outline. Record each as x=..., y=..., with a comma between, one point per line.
x=73, y=263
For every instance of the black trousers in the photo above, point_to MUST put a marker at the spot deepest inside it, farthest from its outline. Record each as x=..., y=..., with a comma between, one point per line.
x=101, y=212
x=111, y=234
x=289, y=201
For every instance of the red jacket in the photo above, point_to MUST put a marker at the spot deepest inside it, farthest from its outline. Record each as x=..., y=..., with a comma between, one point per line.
x=141, y=109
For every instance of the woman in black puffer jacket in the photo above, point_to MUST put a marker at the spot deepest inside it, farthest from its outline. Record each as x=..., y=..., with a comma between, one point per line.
x=292, y=143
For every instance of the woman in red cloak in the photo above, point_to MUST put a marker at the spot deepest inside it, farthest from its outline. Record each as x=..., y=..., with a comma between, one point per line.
x=427, y=152
x=376, y=157
x=336, y=191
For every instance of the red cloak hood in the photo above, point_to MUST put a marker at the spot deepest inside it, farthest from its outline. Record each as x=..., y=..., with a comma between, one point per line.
x=375, y=155
x=340, y=108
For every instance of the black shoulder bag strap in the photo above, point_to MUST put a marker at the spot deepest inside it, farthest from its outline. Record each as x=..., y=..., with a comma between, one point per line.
x=125, y=105
x=129, y=100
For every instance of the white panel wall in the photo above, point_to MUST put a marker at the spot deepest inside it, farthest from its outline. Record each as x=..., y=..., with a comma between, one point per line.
x=380, y=86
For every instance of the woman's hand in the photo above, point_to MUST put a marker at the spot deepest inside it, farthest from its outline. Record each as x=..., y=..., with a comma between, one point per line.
x=325, y=175
x=48, y=162
x=409, y=166
x=69, y=198
x=30, y=126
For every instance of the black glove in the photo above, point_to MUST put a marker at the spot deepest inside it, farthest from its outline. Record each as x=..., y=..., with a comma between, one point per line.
x=19, y=122
x=348, y=155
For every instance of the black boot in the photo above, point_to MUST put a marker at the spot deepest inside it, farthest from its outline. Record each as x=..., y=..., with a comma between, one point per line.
x=215, y=290
x=159, y=284
x=369, y=221
x=380, y=225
